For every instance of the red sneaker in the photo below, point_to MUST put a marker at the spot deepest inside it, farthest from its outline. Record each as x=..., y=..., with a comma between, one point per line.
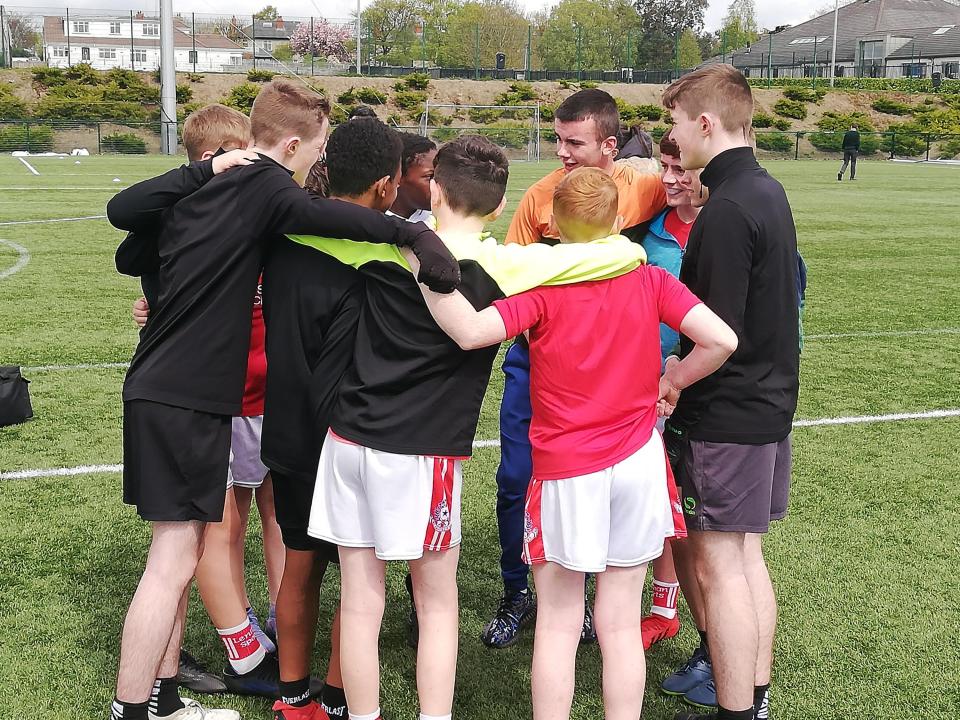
x=311, y=711
x=654, y=628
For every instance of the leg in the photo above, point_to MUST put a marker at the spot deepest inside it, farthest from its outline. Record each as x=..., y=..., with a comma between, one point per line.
x=297, y=610
x=238, y=551
x=687, y=577
x=664, y=620
x=149, y=625
x=616, y=614
x=730, y=614
x=516, y=466
x=765, y=602
x=361, y=612
x=171, y=658
x=435, y=593
x=559, y=622
x=219, y=574
x=273, y=550
x=334, y=674
x=853, y=166
x=843, y=168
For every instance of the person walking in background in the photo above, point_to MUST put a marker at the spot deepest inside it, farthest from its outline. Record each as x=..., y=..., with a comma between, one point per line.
x=851, y=148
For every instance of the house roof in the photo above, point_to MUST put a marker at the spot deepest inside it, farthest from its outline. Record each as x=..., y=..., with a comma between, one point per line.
x=53, y=34
x=859, y=20
x=279, y=29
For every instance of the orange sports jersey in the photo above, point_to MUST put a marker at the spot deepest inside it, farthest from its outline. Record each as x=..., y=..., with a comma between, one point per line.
x=641, y=198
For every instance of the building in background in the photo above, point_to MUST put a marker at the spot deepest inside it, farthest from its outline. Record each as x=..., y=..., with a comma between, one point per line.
x=263, y=36
x=875, y=38
x=133, y=41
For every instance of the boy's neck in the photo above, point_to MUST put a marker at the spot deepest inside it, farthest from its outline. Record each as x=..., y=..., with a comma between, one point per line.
x=453, y=223
x=687, y=213
x=362, y=200
x=275, y=154
x=720, y=143
x=404, y=207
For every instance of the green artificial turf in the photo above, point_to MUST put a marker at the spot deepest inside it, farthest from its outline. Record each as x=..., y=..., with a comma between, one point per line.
x=865, y=566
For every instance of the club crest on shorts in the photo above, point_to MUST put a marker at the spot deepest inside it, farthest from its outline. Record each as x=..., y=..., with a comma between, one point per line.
x=529, y=531
x=440, y=518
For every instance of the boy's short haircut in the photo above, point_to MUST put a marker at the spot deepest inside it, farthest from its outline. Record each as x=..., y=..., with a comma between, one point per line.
x=362, y=111
x=317, y=183
x=283, y=109
x=718, y=89
x=359, y=153
x=668, y=146
x=213, y=127
x=413, y=146
x=472, y=172
x=585, y=205
x=592, y=103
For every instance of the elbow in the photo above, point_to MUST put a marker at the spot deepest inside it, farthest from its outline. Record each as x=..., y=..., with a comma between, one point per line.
x=729, y=342
x=469, y=343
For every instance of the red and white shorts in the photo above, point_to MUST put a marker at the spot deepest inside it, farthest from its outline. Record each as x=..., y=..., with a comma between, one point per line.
x=617, y=517
x=400, y=505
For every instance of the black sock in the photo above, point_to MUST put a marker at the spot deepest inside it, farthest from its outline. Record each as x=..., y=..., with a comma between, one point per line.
x=724, y=714
x=761, y=701
x=128, y=711
x=334, y=701
x=165, y=697
x=703, y=641
x=296, y=693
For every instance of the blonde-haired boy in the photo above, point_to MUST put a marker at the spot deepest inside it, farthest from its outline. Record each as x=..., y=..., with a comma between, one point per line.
x=598, y=501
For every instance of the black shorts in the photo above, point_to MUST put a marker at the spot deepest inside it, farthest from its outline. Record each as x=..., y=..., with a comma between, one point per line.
x=292, y=498
x=729, y=487
x=175, y=461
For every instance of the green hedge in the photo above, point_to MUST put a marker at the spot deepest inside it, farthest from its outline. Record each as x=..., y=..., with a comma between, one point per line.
x=832, y=126
x=371, y=96
x=241, y=97
x=947, y=86
x=891, y=107
x=776, y=142
x=762, y=120
x=260, y=76
x=791, y=109
x=804, y=94
x=31, y=138
x=13, y=108
x=409, y=99
x=907, y=138
x=124, y=143
x=415, y=81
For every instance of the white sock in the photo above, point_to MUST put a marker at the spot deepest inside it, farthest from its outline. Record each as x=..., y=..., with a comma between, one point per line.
x=372, y=716
x=424, y=716
x=665, y=596
x=244, y=651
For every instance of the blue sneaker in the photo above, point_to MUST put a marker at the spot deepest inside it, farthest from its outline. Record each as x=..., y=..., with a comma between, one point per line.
x=262, y=638
x=263, y=680
x=516, y=611
x=703, y=695
x=695, y=671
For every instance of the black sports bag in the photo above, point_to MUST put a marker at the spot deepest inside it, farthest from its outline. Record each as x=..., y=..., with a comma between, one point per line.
x=14, y=396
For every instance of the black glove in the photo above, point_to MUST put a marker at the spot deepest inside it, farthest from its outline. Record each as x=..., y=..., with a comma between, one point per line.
x=439, y=270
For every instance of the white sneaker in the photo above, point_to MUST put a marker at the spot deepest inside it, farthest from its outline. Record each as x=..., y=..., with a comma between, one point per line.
x=193, y=710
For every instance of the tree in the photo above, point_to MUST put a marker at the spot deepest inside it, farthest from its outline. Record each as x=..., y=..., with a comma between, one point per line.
x=689, y=50
x=327, y=41
x=740, y=24
x=601, y=26
x=267, y=14
x=497, y=25
x=661, y=21
x=22, y=39
x=389, y=26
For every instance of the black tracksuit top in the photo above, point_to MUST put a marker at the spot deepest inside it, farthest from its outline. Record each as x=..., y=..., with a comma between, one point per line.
x=741, y=260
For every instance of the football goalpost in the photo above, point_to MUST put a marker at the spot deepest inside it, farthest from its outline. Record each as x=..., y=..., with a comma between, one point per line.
x=515, y=128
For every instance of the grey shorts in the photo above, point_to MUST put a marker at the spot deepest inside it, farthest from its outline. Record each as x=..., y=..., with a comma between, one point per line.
x=729, y=487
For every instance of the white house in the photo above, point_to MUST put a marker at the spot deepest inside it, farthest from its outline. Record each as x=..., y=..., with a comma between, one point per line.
x=133, y=41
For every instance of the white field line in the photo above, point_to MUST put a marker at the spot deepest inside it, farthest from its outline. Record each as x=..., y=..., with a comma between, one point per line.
x=115, y=188
x=53, y=220
x=23, y=257
x=478, y=444
x=884, y=333
x=81, y=366
x=30, y=167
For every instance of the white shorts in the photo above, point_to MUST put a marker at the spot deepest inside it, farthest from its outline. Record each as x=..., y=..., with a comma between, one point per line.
x=615, y=517
x=400, y=505
x=246, y=470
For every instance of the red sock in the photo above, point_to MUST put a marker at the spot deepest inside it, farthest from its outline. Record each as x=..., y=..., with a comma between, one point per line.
x=244, y=651
x=665, y=599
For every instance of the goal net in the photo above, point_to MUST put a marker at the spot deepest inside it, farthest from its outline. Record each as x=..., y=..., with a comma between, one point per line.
x=514, y=128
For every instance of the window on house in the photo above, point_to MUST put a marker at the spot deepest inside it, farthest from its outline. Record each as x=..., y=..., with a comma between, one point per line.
x=951, y=69
x=81, y=26
x=944, y=30
x=268, y=45
x=152, y=29
x=809, y=40
x=60, y=52
x=140, y=56
x=114, y=28
x=913, y=70
x=107, y=53
x=235, y=59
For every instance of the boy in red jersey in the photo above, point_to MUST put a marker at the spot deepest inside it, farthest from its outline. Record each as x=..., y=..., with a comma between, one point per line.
x=598, y=500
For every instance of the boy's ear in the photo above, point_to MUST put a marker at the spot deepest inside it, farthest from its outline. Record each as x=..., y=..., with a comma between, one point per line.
x=436, y=195
x=291, y=145
x=608, y=146
x=208, y=154
x=499, y=211
x=380, y=186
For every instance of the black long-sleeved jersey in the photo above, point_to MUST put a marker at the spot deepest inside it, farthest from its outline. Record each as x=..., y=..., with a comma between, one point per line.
x=741, y=260
x=212, y=233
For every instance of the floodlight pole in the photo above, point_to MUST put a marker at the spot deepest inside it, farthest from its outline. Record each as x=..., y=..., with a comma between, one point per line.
x=770, y=60
x=358, y=38
x=833, y=54
x=168, y=82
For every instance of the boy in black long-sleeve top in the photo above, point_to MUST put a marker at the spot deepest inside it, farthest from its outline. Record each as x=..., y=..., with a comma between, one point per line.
x=851, y=148
x=186, y=378
x=734, y=469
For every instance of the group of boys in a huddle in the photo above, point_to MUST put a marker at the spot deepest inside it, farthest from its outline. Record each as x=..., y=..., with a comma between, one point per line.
x=362, y=380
